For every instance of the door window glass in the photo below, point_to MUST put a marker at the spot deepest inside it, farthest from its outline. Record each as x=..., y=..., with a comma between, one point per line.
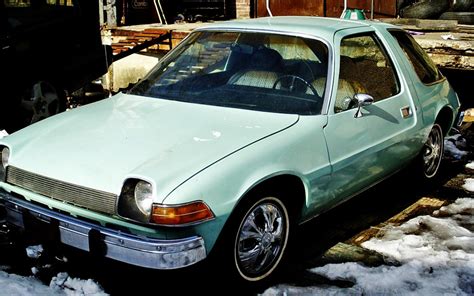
x=364, y=68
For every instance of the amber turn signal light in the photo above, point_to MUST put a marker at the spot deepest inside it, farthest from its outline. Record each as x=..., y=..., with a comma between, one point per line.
x=178, y=215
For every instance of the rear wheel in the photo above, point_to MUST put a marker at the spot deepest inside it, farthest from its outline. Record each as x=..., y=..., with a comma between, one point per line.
x=432, y=152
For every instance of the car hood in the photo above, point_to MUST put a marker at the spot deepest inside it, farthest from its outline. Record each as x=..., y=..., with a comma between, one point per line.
x=165, y=142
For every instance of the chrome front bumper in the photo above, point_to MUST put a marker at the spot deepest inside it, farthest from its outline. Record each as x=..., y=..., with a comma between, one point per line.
x=132, y=249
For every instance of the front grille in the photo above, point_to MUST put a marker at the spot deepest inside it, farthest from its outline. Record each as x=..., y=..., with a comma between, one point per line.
x=91, y=199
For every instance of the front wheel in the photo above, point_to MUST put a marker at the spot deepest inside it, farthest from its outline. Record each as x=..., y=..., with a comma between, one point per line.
x=432, y=152
x=255, y=240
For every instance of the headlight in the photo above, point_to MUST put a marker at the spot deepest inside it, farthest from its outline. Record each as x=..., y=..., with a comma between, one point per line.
x=5, y=155
x=136, y=203
x=143, y=197
x=135, y=200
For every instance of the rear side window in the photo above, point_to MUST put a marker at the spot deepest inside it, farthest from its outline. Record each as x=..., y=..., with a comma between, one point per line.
x=421, y=62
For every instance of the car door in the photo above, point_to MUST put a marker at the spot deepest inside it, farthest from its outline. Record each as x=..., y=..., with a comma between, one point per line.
x=364, y=149
x=347, y=136
x=392, y=116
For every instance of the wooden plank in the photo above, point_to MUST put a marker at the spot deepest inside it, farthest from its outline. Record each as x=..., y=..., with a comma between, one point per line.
x=436, y=25
x=453, y=61
x=142, y=46
x=343, y=252
x=468, y=115
x=400, y=21
x=449, y=49
x=423, y=206
x=156, y=31
x=150, y=35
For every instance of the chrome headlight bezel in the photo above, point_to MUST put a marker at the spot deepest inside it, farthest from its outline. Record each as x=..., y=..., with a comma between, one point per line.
x=4, y=158
x=135, y=200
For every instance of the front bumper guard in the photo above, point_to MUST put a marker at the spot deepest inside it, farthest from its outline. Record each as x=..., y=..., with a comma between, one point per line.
x=132, y=249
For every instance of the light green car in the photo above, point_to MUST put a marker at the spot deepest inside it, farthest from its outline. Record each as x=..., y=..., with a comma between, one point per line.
x=241, y=133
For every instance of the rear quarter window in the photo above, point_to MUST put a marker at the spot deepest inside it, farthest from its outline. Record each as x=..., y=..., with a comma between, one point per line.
x=424, y=67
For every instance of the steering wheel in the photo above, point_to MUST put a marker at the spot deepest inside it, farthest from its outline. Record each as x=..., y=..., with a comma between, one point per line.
x=293, y=82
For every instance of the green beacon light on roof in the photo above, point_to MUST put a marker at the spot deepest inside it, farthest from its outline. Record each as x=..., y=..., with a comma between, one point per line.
x=353, y=14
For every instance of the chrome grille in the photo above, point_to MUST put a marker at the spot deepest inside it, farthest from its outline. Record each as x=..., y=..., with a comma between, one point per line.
x=77, y=195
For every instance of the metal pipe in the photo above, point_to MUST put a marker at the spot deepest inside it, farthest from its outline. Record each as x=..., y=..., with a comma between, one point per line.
x=268, y=8
x=372, y=9
x=163, y=13
x=101, y=13
x=158, y=11
x=344, y=10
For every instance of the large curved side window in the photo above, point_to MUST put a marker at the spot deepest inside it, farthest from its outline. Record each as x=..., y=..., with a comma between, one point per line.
x=424, y=67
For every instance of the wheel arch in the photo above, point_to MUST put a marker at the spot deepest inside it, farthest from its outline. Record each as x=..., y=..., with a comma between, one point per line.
x=445, y=118
x=284, y=183
x=292, y=189
x=276, y=183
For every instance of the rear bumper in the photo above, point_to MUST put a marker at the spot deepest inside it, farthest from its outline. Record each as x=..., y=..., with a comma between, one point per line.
x=132, y=249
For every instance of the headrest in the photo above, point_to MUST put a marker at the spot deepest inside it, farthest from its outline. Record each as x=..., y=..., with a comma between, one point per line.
x=266, y=59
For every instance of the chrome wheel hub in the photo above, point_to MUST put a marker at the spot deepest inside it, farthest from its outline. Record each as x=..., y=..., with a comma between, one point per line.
x=261, y=239
x=433, y=152
x=267, y=240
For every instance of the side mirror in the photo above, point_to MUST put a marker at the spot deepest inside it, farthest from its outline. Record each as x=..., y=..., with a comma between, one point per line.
x=362, y=101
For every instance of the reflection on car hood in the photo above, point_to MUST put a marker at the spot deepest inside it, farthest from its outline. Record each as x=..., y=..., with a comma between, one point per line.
x=100, y=144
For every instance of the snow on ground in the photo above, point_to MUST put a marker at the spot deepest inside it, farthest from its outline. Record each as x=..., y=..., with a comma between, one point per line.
x=62, y=284
x=12, y=284
x=435, y=256
x=469, y=184
x=470, y=165
x=72, y=286
x=34, y=251
x=454, y=147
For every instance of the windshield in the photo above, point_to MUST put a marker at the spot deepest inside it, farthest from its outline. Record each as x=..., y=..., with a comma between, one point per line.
x=265, y=72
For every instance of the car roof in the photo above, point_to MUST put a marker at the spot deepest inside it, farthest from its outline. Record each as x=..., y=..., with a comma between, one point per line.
x=323, y=27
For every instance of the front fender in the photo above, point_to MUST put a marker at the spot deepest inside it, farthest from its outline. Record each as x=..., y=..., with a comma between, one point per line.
x=299, y=151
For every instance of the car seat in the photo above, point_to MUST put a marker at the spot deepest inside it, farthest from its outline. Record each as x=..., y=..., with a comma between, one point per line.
x=263, y=69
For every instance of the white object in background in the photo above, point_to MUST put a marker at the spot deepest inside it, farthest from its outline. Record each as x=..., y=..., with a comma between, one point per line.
x=3, y=133
x=268, y=8
x=448, y=37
